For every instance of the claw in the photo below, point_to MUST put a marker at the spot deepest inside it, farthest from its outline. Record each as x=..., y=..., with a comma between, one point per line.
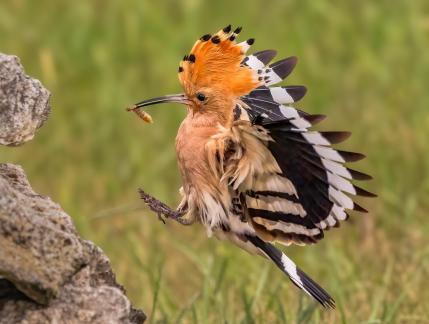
x=161, y=219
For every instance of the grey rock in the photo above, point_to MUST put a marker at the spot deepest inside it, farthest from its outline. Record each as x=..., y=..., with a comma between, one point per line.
x=40, y=249
x=24, y=103
x=48, y=273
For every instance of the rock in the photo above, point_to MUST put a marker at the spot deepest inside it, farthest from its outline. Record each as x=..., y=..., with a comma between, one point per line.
x=40, y=249
x=24, y=103
x=50, y=274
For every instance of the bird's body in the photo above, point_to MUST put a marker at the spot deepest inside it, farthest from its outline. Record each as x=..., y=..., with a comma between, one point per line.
x=210, y=155
x=252, y=171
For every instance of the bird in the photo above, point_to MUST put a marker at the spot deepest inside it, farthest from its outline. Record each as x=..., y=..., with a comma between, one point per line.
x=254, y=171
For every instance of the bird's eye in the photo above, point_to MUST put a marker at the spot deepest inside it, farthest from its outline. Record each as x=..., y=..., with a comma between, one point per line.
x=201, y=96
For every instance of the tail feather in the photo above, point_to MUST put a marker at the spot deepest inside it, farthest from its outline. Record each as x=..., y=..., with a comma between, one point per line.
x=296, y=275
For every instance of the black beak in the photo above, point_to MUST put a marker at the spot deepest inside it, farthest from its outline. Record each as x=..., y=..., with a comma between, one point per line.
x=178, y=98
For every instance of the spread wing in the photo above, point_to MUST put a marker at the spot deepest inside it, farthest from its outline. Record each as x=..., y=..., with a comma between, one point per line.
x=293, y=183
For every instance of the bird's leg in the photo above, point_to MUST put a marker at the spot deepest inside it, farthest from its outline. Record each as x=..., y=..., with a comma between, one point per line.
x=161, y=208
x=185, y=218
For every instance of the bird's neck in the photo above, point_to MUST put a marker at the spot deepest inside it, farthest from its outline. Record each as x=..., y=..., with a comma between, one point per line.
x=209, y=118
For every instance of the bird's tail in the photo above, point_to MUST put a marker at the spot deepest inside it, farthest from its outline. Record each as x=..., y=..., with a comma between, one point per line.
x=296, y=275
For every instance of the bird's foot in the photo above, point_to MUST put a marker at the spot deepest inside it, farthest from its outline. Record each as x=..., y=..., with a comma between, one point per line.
x=161, y=209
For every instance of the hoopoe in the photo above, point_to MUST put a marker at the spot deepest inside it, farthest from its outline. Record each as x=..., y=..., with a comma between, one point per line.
x=253, y=172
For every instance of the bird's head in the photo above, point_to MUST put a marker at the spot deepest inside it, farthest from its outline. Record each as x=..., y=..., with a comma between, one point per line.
x=212, y=74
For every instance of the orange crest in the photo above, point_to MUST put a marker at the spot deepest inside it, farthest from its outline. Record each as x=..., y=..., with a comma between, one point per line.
x=214, y=62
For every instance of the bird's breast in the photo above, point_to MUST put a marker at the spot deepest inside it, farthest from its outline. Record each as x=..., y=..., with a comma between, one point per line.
x=191, y=153
x=207, y=196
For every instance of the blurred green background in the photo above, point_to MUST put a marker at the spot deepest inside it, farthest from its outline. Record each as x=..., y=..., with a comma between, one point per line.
x=366, y=66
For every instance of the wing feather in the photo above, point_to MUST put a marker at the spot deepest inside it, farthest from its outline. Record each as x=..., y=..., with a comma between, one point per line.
x=308, y=188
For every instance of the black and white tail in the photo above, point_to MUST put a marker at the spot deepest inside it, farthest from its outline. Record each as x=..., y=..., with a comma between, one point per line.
x=295, y=274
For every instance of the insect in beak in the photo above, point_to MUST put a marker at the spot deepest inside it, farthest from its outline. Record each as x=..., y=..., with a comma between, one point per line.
x=177, y=98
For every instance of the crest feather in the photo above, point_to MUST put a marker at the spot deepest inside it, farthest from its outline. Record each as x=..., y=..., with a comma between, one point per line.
x=215, y=62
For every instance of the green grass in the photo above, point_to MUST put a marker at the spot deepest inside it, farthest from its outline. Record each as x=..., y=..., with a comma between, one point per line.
x=366, y=66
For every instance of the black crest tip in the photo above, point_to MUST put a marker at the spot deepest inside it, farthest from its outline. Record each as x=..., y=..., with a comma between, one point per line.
x=205, y=37
x=185, y=58
x=192, y=58
x=227, y=29
x=250, y=41
x=215, y=39
x=237, y=30
x=180, y=69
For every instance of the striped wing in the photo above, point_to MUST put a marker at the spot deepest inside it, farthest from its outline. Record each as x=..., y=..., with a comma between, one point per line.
x=312, y=189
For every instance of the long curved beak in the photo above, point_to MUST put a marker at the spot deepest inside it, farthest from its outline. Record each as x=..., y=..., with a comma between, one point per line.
x=178, y=98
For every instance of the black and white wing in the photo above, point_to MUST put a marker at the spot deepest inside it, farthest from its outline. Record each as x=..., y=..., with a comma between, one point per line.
x=312, y=190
